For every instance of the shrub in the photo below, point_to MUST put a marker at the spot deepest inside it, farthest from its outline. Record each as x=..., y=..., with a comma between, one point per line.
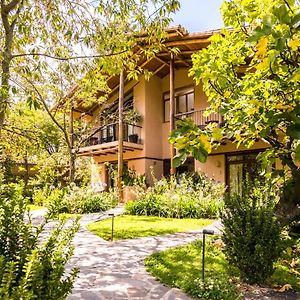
x=182, y=198
x=32, y=267
x=79, y=201
x=251, y=231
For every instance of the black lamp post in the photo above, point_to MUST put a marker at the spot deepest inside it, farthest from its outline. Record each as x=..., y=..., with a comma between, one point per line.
x=204, y=232
x=112, y=225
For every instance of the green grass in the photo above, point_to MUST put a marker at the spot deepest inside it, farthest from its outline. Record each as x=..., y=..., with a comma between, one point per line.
x=65, y=216
x=129, y=227
x=35, y=207
x=181, y=267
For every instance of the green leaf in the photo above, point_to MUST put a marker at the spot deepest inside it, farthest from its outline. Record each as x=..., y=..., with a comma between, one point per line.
x=200, y=154
x=217, y=134
x=297, y=153
x=179, y=159
x=293, y=131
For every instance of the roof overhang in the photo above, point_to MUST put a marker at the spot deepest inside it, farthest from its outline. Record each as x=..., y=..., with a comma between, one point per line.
x=177, y=37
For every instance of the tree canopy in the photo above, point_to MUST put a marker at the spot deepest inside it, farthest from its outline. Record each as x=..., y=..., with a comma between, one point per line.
x=250, y=73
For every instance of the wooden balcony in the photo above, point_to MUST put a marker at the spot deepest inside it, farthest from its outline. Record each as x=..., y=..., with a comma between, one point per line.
x=198, y=117
x=106, y=140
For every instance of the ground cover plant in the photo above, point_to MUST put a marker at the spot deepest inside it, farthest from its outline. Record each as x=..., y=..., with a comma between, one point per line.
x=129, y=227
x=181, y=267
x=188, y=196
x=32, y=266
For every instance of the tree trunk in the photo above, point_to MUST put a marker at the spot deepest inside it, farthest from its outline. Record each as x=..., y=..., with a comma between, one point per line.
x=71, y=153
x=72, y=158
x=288, y=208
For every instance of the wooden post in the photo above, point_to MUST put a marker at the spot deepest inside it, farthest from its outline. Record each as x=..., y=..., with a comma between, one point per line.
x=172, y=113
x=121, y=137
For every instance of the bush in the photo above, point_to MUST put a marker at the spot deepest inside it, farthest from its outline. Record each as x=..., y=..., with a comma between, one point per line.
x=251, y=232
x=78, y=200
x=32, y=267
x=185, y=197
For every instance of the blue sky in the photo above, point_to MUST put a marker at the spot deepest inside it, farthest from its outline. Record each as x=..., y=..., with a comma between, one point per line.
x=199, y=15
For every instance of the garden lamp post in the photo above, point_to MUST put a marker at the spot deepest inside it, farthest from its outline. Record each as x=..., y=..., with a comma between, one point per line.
x=204, y=232
x=112, y=225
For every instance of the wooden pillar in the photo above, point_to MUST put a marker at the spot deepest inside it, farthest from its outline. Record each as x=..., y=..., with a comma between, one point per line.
x=121, y=137
x=172, y=112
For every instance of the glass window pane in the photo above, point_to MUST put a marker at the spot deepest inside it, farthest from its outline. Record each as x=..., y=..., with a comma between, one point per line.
x=190, y=102
x=167, y=111
x=181, y=108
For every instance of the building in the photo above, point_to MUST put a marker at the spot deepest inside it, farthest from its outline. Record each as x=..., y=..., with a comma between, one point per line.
x=146, y=144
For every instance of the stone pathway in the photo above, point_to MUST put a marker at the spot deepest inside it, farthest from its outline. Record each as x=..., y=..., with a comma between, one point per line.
x=115, y=270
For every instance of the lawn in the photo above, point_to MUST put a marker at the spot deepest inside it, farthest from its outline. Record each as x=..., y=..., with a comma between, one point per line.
x=181, y=267
x=129, y=227
x=35, y=207
x=65, y=216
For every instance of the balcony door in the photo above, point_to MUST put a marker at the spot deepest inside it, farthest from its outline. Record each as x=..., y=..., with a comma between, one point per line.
x=238, y=168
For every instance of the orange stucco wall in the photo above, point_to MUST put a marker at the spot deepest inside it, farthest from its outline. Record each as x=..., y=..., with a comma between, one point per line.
x=148, y=100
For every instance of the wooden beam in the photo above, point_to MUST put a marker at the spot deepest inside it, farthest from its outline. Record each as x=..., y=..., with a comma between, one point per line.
x=187, y=42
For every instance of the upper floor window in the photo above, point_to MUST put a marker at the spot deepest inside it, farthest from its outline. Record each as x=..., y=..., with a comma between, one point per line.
x=184, y=102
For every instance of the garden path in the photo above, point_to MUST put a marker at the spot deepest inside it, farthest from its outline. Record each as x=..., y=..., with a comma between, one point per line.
x=115, y=270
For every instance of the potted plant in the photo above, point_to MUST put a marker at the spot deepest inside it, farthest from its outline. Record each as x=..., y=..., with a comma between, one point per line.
x=132, y=117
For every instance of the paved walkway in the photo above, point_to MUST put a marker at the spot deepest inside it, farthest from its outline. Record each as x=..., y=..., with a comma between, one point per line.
x=115, y=270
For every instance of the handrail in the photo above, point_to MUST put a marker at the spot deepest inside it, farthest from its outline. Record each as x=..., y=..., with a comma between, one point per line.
x=198, y=117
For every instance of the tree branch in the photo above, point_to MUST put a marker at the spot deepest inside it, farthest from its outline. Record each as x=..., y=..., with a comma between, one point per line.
x=61, y=58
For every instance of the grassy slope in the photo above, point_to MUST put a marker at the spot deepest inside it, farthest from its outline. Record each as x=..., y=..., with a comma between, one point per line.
x=128, y=227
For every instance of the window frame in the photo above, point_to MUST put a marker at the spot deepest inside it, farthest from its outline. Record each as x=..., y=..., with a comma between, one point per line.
x=182, y=91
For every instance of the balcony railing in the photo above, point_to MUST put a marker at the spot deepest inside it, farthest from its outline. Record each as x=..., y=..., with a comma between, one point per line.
x=110, y=133
x=198, y=117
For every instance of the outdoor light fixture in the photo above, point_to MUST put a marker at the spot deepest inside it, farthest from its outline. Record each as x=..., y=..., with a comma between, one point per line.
x=112, y=225
x=204, y=232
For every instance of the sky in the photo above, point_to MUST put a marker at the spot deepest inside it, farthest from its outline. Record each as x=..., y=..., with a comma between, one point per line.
x=199, y=15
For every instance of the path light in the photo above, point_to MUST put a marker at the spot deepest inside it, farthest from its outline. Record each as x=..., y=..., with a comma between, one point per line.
x=112, y=225
x=204, y=232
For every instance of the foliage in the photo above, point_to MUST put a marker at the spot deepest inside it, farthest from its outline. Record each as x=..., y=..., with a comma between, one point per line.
x=43, y=55
x=188, y=197
x=32, y=266
x=287, y=268
x=181, y=267
x=132, y=116
x=130, y=178
x=129, y=227
x=251, y=231
x=250, y=73
x=78, y=200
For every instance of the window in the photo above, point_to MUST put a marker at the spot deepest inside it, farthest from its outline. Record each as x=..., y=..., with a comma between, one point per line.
x=184, y=102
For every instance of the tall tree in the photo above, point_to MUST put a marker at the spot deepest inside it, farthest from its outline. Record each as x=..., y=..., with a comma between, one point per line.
x=251, y=75
x=45, y=45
